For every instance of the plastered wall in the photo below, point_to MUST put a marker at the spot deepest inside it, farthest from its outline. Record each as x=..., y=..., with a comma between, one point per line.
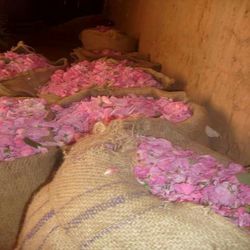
x=205, y=45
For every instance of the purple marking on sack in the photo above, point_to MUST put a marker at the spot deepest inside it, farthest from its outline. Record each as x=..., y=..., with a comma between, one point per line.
x=118, y=225
x=38, y=226
x=101, y=207
x=41, y=222
x=91, y=190
x=92, y=211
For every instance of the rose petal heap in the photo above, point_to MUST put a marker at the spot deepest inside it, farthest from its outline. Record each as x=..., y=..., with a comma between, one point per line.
x=99, y=72
x=181, y=175
x=25, y=118
x=80, y=117
x=12, y=63
x=20, y=119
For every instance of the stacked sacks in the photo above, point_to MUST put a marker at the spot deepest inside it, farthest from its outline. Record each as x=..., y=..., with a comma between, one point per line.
x=64, y=88
x=28, y=125
x=24, y=164
x=26, y=130
x=102, y=37
x=95, y=202
x=22, y=71
x=193, y=126
x=28, y=118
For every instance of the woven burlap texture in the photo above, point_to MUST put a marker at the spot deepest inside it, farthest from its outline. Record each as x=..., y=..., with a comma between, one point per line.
x=82, y=208
x=19, y=180
x=112, y=39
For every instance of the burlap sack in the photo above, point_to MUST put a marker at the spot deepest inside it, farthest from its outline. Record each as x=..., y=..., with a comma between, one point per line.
x=26, y=84
x=166, y=83
x=164, y=80
x=93, y=39
x=19, y=179
x=82, y=208
x=194, y=127
x=135, y=59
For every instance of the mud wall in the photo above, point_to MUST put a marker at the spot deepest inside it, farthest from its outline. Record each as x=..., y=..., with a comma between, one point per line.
x=205, y=45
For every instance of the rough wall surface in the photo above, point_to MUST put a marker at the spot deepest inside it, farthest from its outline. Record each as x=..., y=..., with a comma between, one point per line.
x=205, y=45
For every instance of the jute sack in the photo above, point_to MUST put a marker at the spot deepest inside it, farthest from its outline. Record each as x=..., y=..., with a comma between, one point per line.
x=194, y=127
x=134, y=58
x=84, y=208
x=19, y=179
x=166, y=83
x=26, y=84
x=163, y=79
x=93, y=39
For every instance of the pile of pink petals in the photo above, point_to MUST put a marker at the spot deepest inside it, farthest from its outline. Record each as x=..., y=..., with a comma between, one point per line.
x=100, y=73
x=80, y=117
x=12, y=64
x=19, y=119
x=181, y=175
x=25, y=118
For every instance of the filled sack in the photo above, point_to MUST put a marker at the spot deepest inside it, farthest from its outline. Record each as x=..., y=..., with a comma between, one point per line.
x=107, y=38
x=25, y=164
x=95, y=201
x=135, y=59
x=103, y=72
x=23, y=72
x=193, y=127
x=19, y=179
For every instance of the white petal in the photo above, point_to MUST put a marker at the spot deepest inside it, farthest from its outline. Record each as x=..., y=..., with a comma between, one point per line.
x=211, y=132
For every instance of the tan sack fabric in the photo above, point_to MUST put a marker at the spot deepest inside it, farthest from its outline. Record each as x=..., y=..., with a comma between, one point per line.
x=93, y=39
x=19, y=179
x=84, y=208
x=26, y=84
